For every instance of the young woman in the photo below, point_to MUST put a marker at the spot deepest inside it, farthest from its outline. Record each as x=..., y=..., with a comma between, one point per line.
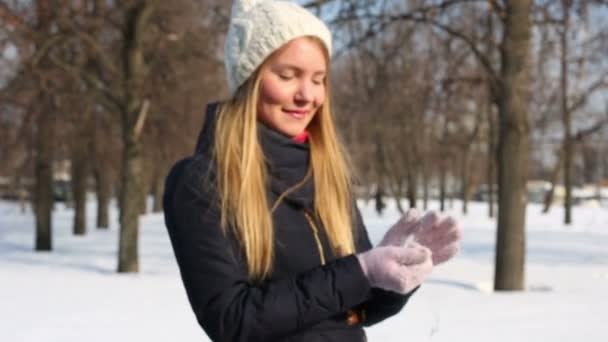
x=263, y=223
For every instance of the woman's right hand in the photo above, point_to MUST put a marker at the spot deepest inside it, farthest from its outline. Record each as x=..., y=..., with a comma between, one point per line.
x=441, y=234
x=405, y=227
x=395, y=268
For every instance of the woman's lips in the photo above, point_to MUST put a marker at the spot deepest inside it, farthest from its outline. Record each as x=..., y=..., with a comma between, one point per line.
x=298, y=114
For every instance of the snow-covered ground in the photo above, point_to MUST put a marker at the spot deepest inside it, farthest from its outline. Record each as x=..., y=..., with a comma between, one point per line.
x=74, y=294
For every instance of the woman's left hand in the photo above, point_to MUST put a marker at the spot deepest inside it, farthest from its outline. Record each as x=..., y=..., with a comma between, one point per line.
x=440, y=234
x=398, y=234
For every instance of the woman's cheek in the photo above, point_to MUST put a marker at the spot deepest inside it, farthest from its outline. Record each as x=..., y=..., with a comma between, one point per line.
x=281, y=92
x=320, y=96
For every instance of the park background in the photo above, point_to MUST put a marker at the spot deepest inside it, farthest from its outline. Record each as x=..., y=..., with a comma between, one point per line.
x=494, y=111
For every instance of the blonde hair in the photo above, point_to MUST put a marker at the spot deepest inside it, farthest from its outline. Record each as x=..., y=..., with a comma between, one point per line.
x=242, y=179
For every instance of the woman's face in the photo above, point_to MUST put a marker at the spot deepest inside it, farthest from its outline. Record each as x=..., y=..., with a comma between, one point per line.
x=292, y=86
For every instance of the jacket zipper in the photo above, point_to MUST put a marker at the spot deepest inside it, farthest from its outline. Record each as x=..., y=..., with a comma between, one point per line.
x=315, y=230
x=352, y=317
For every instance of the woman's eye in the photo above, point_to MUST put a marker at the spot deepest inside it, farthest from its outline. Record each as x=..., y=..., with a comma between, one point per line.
x=319, y=81
x=285, y=77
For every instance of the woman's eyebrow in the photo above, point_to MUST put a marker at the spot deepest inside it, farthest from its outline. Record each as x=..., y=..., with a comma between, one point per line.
x=298, y=69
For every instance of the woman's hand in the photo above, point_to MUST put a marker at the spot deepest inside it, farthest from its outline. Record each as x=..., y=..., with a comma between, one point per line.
x=440, y=234
x=397, y=269
x=398, y=234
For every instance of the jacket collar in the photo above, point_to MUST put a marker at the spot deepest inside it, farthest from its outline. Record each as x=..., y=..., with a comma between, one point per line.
x=287, y=160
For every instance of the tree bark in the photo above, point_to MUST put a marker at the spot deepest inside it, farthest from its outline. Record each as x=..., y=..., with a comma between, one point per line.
x=43, y=195
x=491, y=166
x=451, y=186
x=566, y=113
x=465, y=181
x=425, y=186
x=22, y=193
x=443, y=167
x=79, y=187
x=398, y=194
x=145, y=185
x=442, y=185
x=513, y=146
x=45, y=141
x=134, y=115
x=491, y=163
x=412, y=186
x=104, y=194
x=159, y=187
x=131, y=194
x=147, y=181
x=548, y=200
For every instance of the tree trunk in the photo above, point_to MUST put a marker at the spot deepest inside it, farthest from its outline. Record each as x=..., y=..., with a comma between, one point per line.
x=134, y=115
x=442, y=185
x=491, y=165
x=398, y=195
x=411, y=190
x=21, y=193
x=79, y=187
x=548, y=200
x=43, y=194
x=591, y=163
x=104, y=194
x=143, y=203
x=119, y=193
x=425, y=187
x=131, y=194
x=490, y=188
x=22, y=201
x=412, y=186
x=465, y=182
x=45, y=142
x=566, y=114
x=513, y=146
x=147, y=179
x=379, y=200
x=604, y=163
x=103, y=175
x=159, y=188
x=381, y=173
x=451, y=187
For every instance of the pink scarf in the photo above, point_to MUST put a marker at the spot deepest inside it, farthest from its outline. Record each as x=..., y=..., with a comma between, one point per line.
x=302, y=137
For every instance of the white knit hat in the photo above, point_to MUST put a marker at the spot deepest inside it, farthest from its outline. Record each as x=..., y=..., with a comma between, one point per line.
x=258, y=28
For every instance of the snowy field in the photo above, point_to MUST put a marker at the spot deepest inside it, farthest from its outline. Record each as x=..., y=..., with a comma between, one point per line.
x=73, y=293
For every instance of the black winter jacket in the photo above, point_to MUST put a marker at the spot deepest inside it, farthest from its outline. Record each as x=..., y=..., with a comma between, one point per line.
x=311, y=296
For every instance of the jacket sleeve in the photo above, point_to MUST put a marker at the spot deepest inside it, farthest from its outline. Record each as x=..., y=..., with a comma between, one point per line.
x=380, y=304
x=226, y=304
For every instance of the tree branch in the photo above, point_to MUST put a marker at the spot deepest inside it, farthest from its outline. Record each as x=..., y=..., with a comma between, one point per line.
x=582, y=99
x=98, y=51
x=422, y=15
x=481, y=57
x=141, y=119
x=111, y=101
x=15, y=21
x=584, y=133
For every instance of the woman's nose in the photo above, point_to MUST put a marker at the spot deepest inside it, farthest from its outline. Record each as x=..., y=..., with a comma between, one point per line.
x=304, y=91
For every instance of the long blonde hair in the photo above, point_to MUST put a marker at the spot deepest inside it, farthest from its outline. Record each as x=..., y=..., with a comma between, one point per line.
x=242, y=179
